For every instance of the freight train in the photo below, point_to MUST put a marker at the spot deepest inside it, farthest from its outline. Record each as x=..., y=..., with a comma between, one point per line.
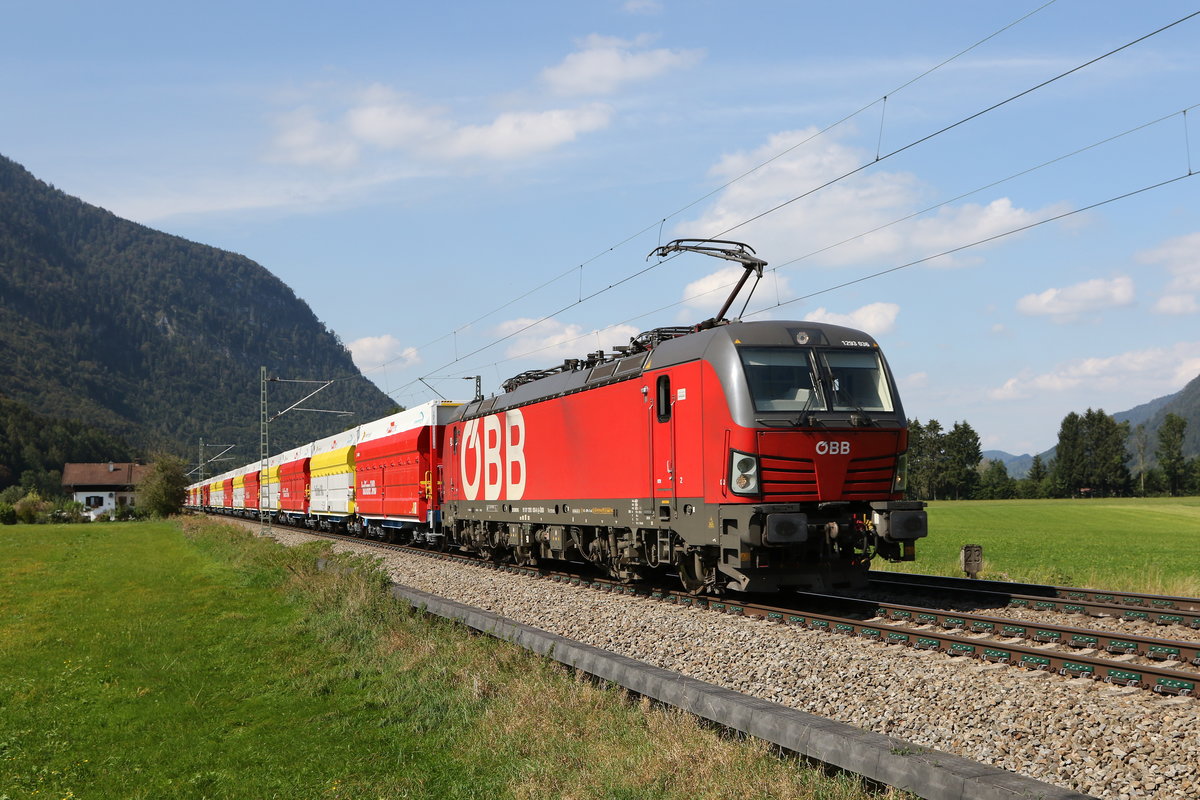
x=731, y=456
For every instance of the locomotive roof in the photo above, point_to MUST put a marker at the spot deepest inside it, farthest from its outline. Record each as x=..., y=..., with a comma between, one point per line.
x=680, y=349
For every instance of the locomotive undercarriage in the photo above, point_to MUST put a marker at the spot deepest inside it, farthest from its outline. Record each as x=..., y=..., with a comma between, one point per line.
x=756, y=548
x=710, y=548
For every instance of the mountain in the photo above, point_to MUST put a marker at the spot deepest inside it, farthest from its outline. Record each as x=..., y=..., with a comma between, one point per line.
x=153, y=338
x=1018, y=466
x=1184, y=403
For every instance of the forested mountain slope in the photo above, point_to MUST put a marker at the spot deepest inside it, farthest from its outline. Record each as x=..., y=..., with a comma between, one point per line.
x=152, y=337
x=1185, y=403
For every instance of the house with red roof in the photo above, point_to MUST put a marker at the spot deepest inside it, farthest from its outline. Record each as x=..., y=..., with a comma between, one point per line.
x=103, y=488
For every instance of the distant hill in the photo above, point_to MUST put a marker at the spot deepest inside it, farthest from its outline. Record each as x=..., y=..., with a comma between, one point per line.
x=1018, y=466
x=153, y=338
x=1184, y=403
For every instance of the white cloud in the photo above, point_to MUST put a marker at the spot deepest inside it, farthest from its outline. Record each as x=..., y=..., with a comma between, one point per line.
x=373, y=351
x=875, y=319
x=917, y=380
x=1181, y=257
x=1067, y=303
x=954, y=226
x=385, y=119
x=604, y=64
x=1176, y=304
x=379, y=119
x=830, y=224
x=516, y=134
x=551, y=340
x=646, y=7
x=304, y=139
x=1155, y=371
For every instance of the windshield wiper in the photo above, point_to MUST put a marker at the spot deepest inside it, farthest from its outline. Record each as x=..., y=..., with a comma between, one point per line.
x=860, y=418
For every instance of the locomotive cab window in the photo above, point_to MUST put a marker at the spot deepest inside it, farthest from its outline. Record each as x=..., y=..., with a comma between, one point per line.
x=662, y=398
x=858, y=381
x=782, y=378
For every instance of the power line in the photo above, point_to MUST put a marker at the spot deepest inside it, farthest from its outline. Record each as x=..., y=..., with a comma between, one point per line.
x=662, y=221
x=905, y=218
x=978, y=242
x=832, y=181
x=954, y=125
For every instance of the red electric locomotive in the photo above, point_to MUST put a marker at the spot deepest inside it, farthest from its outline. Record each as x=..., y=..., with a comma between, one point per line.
x=746, y=456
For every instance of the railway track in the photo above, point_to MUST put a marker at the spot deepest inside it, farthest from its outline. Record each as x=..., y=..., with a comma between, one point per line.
x=1072, y=652
x=1132, y=606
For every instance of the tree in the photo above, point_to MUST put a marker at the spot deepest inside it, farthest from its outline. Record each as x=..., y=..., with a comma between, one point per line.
x=925, y=456
x=1068, y=477
x=1104, y=453
x=164, y=489
x=962, y=457
x=1170, y=451
x=995, y=483
x=1091, y=455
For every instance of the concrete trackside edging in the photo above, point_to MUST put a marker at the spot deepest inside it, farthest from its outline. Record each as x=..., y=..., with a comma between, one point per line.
x=928, y=773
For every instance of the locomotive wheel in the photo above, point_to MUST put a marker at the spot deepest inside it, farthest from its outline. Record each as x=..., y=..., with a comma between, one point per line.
x=696, y=576
x=693, y=574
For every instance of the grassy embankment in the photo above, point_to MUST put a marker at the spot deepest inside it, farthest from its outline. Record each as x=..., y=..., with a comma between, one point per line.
x=137, y=661
x=1131, y=544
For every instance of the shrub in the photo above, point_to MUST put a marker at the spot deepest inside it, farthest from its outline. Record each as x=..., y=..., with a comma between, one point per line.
x=31, y=508
x=8, y=514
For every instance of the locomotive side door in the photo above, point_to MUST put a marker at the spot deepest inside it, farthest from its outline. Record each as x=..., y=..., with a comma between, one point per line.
x=662, y=448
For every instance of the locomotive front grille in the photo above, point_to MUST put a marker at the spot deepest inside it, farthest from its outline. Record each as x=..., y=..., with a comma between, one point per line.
x=785, y=479
x=869, y=478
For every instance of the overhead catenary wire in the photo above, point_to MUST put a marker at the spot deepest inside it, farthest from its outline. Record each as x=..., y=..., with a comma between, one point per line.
x=660, y=223
x=780, y=266
x=953, y=250
x=777, y=207
x=879, y=273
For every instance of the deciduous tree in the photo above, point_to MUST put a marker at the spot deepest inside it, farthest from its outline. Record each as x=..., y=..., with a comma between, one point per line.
x=164, y=489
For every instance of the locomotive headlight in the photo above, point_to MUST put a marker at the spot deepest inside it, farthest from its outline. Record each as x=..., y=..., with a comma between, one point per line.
x=901, y=473
x=743, y=473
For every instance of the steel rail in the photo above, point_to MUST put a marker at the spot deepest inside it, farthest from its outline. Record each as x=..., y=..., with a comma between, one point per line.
x=1149, y=647
x=1159, y=609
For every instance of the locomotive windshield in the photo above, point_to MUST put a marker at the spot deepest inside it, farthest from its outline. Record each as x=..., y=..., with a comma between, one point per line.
x=858, y=380
x=791, y=379
x=782, y=378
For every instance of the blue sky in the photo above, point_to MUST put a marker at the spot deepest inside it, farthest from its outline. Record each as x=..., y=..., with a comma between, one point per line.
x=433, y=178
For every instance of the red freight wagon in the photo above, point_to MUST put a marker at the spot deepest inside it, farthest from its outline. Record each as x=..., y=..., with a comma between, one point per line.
x=227, y=488
x=294, y=488
x=252, y=481
x=394, y=478
x=397, y=472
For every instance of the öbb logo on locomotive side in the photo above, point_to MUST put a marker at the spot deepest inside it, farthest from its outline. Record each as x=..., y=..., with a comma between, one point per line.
x=833, y=448
x=493, y=454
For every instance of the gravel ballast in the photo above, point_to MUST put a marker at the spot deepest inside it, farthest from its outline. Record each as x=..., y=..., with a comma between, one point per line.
x=1105, y=741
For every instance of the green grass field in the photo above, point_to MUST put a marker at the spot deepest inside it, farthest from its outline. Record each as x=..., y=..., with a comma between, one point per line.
x=1124, y=544
x=141, y=661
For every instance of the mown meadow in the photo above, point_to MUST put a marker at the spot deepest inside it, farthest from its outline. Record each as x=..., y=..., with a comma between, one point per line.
x=146, y=660
x=1132, y=544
